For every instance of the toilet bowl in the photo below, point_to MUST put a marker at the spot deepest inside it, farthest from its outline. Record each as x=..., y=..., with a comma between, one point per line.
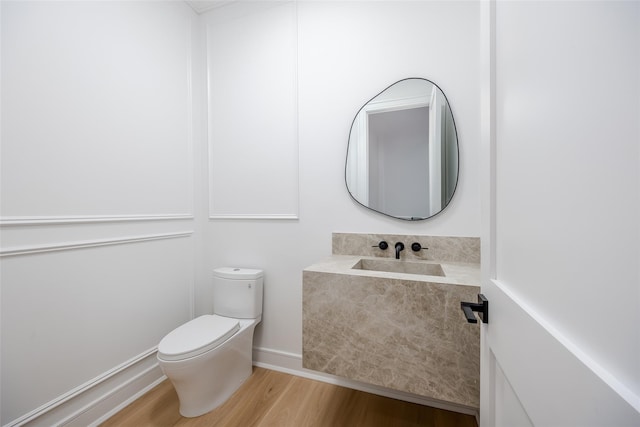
x=209, y=357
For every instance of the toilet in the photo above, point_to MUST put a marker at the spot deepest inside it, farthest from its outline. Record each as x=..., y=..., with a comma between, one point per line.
x=209, y=357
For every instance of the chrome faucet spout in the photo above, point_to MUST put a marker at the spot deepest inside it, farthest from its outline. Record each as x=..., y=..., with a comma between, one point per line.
x=399, y=247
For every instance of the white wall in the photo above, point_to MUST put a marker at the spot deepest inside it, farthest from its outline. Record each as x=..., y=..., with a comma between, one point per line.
x=347, y=53
x=86, y=84
x=568, y=175
x=97, y=200
x=253, y=157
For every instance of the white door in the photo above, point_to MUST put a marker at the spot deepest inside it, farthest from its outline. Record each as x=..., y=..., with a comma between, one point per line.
x=561, y=221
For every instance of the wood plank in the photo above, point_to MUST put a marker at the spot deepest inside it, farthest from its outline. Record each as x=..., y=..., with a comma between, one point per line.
x=249, y=404
x=302, y=405
x=274, y=399
x=158, y=407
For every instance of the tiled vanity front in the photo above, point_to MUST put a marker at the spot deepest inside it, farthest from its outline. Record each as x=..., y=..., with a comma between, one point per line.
x=401, y=331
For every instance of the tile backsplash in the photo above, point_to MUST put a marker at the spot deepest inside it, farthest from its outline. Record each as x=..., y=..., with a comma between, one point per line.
x=441, y=248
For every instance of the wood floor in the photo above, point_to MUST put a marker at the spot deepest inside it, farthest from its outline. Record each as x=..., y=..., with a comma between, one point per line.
x=274, y=399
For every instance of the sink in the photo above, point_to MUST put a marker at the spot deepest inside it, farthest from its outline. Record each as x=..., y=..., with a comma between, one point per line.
x=397, y=266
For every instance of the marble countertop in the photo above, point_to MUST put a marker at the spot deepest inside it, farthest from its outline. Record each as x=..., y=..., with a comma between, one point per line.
x=456, y=273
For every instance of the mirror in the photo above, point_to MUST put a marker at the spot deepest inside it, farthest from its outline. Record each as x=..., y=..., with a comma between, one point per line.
x=402, y=156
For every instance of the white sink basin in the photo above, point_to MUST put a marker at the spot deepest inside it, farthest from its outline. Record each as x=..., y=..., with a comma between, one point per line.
x=398, y=266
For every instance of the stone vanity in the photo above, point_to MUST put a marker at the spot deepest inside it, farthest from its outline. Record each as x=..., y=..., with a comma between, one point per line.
x=393, y=328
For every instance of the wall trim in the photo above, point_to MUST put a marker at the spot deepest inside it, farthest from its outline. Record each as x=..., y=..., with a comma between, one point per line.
x=237, y=11
x=36, y=249
x=73, y=404
x=291, y=363
x=614, y=383
x=255, y=216
x=127, y=394
x=12, y=221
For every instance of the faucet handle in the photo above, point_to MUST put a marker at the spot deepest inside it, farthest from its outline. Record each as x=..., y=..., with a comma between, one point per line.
x=382, y=245
x=417, y=247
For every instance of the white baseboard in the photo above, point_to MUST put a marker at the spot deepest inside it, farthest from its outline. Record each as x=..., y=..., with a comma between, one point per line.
x=100, y=398
x=114, y=402
x=291, y=363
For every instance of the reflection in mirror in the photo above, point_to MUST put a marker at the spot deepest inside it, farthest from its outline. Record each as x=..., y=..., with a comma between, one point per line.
x=402, y=157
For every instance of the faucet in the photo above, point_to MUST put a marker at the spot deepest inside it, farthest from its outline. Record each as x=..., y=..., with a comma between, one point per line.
x=399, y=247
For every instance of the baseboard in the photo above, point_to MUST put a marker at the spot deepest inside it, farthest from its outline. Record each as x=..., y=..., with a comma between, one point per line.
x=114, y=402
x=100, y=398
x=120, y=400
x=291, y=363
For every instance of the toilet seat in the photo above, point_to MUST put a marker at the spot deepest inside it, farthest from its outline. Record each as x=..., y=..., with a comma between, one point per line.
x=197, y=336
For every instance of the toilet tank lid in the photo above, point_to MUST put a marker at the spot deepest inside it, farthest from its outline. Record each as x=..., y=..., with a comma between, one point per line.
x=237, y=273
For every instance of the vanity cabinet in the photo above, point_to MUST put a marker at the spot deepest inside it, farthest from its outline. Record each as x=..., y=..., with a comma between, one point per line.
x=401, y=331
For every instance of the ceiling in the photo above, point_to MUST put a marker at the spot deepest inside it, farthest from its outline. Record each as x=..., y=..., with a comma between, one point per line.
x=201, y=6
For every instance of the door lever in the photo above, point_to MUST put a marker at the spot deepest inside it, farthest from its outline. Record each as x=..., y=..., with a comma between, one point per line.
x=482, y=307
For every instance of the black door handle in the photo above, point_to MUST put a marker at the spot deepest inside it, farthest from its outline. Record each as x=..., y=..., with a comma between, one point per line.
x=482, y=307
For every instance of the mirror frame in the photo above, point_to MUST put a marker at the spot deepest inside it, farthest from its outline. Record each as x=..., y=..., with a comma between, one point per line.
x=457, y=150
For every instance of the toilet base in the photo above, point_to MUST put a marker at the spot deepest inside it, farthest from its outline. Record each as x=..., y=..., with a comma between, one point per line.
x=206, y=381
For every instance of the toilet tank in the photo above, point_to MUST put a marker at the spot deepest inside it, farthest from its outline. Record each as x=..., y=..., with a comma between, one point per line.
x=237, y=292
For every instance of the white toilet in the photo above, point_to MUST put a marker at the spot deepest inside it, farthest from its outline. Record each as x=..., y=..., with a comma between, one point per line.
x=209, y=357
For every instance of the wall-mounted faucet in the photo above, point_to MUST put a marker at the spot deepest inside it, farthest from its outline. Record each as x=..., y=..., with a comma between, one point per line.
x=399, y=247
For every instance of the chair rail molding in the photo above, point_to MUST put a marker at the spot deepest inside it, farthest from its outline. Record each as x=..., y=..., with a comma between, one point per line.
x=35, y=249
x=13, y=221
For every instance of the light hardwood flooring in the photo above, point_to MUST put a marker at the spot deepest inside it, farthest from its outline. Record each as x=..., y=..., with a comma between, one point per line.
x=274, y=399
